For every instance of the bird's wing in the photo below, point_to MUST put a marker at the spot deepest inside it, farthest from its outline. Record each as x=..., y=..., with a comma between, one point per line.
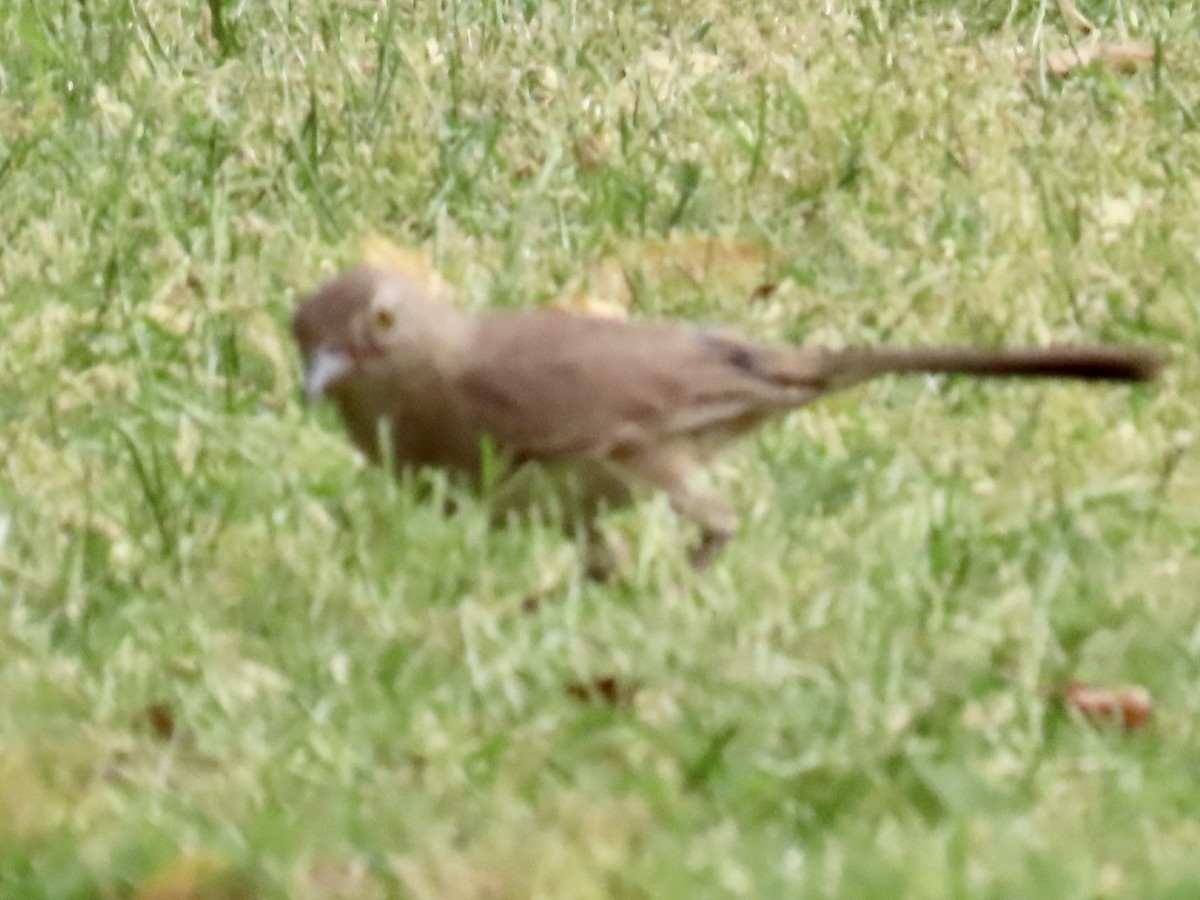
x=549, y=385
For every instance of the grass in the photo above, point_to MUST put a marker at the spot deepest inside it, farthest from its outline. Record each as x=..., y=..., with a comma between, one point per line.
x=235, y=662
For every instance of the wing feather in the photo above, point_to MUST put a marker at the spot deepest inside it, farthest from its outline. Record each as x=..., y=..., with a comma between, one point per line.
x=549, y=385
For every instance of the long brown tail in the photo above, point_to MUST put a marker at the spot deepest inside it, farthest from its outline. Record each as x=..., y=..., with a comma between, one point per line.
x=842, y=368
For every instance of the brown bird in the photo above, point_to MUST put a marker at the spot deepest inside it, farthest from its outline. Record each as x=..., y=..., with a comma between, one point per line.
x=617, y=404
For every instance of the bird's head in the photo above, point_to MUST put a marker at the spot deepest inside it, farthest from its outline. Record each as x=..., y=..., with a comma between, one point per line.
x=364, y=321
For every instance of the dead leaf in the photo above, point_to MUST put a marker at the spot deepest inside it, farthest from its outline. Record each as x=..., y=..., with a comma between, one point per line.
x=336, y=878
x=609, y=689
x=680, y=263
x=701, y=258
x=603, y=285
x=1124, y=57
x=196, y=876
x=531, y=604
x=589, y=305
x=1131, y=706
x=411, y=262
x=160, y=720
x=764, y=290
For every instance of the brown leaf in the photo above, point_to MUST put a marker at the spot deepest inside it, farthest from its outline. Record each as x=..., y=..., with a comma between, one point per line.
x=411, y=262
x=1122, y=57
x=722, y=265
x=337, y=878
x=604, y=688
x=196, y=876
x=589, y=305
x=1131, y=706
x=764, y=290
x=603, y=287
x=701, y=258
x=159, y=719
x=531, y=604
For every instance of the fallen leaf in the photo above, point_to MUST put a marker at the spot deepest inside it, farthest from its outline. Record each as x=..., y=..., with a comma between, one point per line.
x=335, y=878
x=589, y=305
x=531, y=604
x=1130, y=706
x=764, y=290
x=411, y=262
x=606, y=688
x=160, y=719
x=603, y=285
x=1122, y=57
x=196, y=876
x=682, y=262
x=701, y=258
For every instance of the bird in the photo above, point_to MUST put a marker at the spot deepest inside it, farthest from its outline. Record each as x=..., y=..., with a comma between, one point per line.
x=609, y=405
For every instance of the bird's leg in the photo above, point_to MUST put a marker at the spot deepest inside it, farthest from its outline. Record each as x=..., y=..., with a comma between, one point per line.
x=574, y=496
x=708, y=509
x=679, y=474
x=709, y=547
x=605, y=553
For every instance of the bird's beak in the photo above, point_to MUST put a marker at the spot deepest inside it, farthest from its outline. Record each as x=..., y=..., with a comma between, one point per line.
x=325, y=366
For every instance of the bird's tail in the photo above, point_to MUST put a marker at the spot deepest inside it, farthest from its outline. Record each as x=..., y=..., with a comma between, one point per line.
x=842, y=368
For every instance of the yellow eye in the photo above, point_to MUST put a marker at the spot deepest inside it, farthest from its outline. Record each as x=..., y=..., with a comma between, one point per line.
x=384, y=318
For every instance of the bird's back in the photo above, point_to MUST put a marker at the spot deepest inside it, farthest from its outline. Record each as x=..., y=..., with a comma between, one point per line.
x=549, y=385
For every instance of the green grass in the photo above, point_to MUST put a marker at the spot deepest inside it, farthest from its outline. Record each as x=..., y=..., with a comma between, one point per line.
x=857, y=701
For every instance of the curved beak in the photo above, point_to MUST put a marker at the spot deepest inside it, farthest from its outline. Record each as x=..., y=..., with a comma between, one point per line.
x=325, y=366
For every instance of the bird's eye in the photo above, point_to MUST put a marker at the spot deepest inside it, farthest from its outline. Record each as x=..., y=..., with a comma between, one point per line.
x=384, y=318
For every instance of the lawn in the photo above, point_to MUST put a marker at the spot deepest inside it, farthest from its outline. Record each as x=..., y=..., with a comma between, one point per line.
x=237, y=662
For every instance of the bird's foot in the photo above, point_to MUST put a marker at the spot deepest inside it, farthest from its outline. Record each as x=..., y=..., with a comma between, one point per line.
x=712, y=542
x=605, y=553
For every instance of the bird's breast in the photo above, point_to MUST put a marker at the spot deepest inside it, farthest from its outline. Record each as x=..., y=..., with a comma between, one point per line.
x=414, y=421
